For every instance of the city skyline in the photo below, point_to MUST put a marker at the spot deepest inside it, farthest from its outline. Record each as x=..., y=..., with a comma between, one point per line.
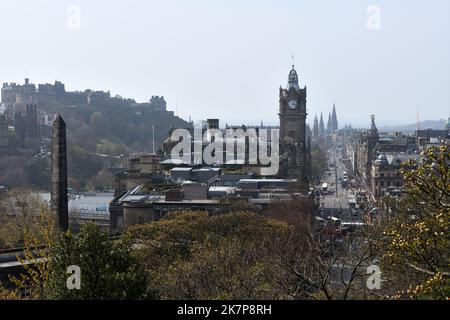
x=211, y=152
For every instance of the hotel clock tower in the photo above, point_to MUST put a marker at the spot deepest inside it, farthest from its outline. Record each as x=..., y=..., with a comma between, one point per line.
x=294, y=149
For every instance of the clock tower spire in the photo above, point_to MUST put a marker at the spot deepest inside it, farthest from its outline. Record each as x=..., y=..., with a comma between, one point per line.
x=293, y=148
x=293, y=79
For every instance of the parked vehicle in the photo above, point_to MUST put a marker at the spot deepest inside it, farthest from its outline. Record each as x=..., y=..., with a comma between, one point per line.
x=352, y=203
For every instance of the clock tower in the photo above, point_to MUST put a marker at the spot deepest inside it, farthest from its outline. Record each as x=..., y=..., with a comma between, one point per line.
x=294, y=149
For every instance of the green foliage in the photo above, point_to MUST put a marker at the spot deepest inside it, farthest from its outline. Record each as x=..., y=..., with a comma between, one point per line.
x=37, y=237
x=418, y=236
x=159, y=187
x=103, y=180
x=109, y=269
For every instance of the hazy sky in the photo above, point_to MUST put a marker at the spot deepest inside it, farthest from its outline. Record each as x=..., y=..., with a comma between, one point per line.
x=226, y=59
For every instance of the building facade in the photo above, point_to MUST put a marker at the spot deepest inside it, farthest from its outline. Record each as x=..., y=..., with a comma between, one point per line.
x=385, y=173
x=364, y=144
x=7, y=136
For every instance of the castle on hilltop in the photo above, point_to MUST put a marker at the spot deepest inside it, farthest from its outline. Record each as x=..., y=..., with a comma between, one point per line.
x=13, y=94
x=29, y=110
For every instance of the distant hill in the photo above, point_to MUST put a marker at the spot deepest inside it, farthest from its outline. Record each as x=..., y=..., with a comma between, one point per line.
x=100, y=129
x=96, y=130
x=426, y=124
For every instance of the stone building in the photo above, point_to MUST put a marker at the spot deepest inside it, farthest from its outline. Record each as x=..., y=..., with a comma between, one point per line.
x=7, y=136
x=294, y=147
x=428, y=136
x=377, y=157
x=138, y=206
x=158, y=103
x=294, y=140
x=364, y=144
x=12, y=93
x=140, y=168
x=385, y=173
x=32, y=129
x=238, y=159
x=54, y=94
x=27, y=126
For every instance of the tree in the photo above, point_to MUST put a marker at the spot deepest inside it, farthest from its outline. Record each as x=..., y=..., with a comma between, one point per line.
x=191, y=255
x=324, y=261
x=417, y=236
x=109, y=269
x=97, y=122
x=11, y=170
x=103, y=180
x=20, y=213
x=37, y=243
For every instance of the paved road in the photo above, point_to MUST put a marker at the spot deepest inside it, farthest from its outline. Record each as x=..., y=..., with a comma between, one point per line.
x=336, y=202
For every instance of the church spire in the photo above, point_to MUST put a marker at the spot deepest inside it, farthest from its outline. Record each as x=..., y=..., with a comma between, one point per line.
x=321, y=125
x=329, y=129
x=334, y=122
x=316, y=126
x=373, y=127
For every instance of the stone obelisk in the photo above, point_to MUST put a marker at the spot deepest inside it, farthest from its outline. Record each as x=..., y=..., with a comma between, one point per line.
x=59, y=205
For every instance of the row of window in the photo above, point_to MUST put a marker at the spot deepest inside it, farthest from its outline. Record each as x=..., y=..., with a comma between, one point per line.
x=387, y=184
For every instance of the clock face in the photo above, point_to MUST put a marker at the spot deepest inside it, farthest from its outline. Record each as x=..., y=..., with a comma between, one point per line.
x=292, y=104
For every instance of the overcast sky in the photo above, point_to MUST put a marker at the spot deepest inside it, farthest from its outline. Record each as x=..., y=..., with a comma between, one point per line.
x=226, y=59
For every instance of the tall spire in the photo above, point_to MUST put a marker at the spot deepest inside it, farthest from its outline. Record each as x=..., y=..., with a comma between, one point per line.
x=59, y=205
x=321, y=125
x=373, y=128
x=329, y=123
x=334, y=122
x=316, y=126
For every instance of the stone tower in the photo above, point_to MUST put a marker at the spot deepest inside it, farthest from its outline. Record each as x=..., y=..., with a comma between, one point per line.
x=32, y=131
x=293, y=148
x=334, y=122
x=316, y=127
x=373, y=132
x=59, y=205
